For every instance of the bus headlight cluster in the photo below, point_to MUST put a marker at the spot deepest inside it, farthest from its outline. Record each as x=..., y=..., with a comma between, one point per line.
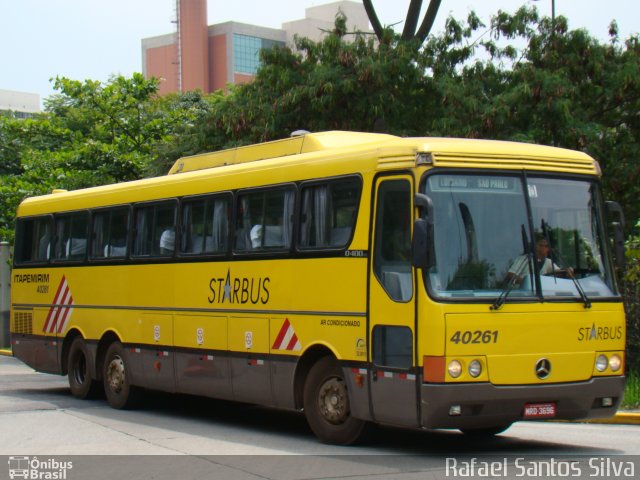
x=475, y=368
x=455, y=368
x=613, y=363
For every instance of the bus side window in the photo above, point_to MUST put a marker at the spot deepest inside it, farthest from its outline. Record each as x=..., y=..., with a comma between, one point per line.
x=328, y=213
x=264, y=220
x=110, y=231
x=71, y=236
x=33, y=240
x=155, y=229
x=392, y=346
x=205, y=223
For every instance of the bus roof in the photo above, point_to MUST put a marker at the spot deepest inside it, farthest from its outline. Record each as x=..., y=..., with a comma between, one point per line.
x=310, y=142
x=445, y=151
x=315, y=155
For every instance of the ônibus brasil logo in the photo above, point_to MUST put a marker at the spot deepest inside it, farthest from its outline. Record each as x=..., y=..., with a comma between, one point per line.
x=36, y=469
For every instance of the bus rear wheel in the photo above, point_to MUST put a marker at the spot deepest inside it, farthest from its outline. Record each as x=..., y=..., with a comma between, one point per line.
x=81, y=384
x=117, y=379
x=326, y=404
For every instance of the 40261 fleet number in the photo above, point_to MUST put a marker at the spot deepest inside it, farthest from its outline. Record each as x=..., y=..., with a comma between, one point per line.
x=476, y=336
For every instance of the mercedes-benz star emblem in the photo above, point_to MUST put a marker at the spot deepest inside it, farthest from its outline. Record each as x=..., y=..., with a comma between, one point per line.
x=543, y=368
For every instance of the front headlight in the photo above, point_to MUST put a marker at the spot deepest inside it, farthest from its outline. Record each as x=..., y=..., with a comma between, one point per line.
x=455, y=368
x=615, y=362
x=601, y=363
x=475, y=368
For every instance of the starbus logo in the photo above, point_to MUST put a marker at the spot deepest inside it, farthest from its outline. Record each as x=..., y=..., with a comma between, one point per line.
x=36, y=469
x=239, y=290
x=594, y=332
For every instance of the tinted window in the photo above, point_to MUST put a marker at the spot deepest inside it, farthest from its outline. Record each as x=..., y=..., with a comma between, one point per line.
x=392, y=250
x=155, y=230
x=205, y=225
x=33, y=240
x=392, y=346
x=264, y=220
x=328, y=214
x=110, y=228
x=71, y=236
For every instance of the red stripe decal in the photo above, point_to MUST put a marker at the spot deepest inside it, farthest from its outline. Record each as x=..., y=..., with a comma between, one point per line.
x=283, y=331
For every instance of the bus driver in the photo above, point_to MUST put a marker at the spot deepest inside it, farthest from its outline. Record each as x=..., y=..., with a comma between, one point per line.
x=544, y=264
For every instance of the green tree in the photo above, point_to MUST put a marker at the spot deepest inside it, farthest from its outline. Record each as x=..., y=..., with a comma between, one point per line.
x=521, y=78
x=91, y=133
x=631, y=291
x=113, y=125
x=529, y=79
x=327, y=85
x=188, y=113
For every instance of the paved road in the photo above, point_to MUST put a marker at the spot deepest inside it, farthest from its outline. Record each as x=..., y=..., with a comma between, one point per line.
x=226, y=440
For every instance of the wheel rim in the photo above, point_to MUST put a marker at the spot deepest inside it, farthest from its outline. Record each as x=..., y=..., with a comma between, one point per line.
x=333, y=401
x=115, y=374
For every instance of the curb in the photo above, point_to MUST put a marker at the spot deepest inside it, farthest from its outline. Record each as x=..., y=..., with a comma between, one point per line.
x=621, y=418
x=6, y=352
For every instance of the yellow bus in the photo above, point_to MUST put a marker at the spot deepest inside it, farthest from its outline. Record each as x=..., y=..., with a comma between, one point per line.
x=428, y=283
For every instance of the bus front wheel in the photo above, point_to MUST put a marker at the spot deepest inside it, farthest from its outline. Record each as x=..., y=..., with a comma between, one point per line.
x=117, y=382
x=326, y=404
x=80, y=382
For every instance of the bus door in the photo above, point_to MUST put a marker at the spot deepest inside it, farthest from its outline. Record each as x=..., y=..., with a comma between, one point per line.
x=392, y=305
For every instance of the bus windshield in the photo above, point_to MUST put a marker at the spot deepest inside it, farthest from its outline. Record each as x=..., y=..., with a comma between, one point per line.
x=531, y=236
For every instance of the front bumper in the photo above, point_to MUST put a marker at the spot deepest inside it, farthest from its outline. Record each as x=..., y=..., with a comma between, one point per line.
x=485, y=405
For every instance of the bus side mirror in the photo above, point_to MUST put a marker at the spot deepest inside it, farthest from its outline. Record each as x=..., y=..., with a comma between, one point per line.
x=615, y=216
x=422, y=247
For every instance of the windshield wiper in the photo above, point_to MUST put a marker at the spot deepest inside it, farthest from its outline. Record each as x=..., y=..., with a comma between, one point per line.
x=516, y=277
x=513, y=281
x=564, y=265
x=583, y=295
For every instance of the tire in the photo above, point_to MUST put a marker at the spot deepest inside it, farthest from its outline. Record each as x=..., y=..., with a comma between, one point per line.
x=485, y=432
x=326, y=405
x=117, y=379
x=81, y=384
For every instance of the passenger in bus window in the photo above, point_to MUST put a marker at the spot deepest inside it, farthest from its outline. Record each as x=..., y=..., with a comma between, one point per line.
x=256, y=236
x=167, y=241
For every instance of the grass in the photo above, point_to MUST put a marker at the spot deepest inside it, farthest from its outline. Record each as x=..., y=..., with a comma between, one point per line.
x=632, y=391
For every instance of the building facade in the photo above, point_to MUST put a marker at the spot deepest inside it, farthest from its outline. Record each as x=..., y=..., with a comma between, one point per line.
x=19, y=104
x=209, y=57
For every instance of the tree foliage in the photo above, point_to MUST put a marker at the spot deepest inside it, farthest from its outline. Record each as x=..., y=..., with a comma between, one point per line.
x=520, y=78
x=631, y=290
x=91, y=133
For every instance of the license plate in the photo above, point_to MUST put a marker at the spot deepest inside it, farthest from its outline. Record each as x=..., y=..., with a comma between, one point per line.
x=539, y=410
